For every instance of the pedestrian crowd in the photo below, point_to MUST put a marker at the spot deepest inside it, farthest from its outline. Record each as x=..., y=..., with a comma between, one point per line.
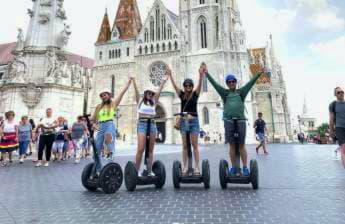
x=52, y=137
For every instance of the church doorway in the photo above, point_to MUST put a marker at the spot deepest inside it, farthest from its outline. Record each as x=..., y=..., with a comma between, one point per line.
x=161, y=124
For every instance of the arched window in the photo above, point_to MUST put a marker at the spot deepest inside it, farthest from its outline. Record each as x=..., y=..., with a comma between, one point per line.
x=169, y=32
x=217, y=29
x=146, y=50
x=164, y=28
x=206, y=116
x=176, y=45
x=152, y=29
x=100, y=55
x=202, y=2
x=109, y=54
x=163, y=47
x=140, y=50
x=113, y=53
x=204, y=85
x=151, y=48
x=157, y=48
x=169, y=46
x=202, y=32
x=113, y=85
x=158, y=28
x=116, y=54
x=146, y=35
x=120, y=53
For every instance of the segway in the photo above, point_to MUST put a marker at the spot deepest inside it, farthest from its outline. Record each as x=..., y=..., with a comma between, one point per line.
x=132, y=179
x=109, y=179
x=224, y=174
x=190, y=178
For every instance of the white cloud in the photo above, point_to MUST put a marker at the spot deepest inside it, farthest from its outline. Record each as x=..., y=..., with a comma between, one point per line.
x=332, y=51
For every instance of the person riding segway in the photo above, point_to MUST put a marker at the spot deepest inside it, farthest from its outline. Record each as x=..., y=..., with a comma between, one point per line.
x=147, y=133
x=188, y=124
x=235, y=132
x=107, y=176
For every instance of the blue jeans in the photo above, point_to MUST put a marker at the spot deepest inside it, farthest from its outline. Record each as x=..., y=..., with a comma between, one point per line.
x=23, y=147
x=142, y=127
x=104, y=128
x=191, y=125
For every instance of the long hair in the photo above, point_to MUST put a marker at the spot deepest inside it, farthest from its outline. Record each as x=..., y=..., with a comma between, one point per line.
x=147, y=101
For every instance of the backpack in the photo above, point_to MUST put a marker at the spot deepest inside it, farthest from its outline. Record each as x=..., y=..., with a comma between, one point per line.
x=333, y=109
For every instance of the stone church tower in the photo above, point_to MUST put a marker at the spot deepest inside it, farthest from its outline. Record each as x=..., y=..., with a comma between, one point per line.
x=41, y=74
x=207, y=31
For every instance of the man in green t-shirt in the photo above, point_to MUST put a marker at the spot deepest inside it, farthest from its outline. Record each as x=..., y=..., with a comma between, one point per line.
x=234, y=104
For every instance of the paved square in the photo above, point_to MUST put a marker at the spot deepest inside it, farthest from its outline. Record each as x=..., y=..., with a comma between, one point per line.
x=298, y=184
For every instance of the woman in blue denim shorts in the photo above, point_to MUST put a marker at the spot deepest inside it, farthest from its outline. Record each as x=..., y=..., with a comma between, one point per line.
x=147, y=110
x=189, y=103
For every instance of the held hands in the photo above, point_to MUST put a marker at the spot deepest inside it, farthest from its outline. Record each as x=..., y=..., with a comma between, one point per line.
x=203, y=69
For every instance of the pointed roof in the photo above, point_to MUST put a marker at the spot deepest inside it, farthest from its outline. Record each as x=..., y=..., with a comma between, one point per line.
x=105, y=32
x=128, y=21
x=6, y=55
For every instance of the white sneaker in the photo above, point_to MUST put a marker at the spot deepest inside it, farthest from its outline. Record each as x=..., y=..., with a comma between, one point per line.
x=46, y=164
x=151, y=174
x=21, y=160
x=38, y=164
x=77, y=161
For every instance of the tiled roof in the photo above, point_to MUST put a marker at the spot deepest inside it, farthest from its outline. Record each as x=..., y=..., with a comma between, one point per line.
x=104, y=33
x=6, y=56
x=5, y=52
x=174, y=18
x=264, y=79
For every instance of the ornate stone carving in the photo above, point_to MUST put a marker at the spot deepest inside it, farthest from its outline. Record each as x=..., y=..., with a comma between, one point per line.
x=77, y=74
x=157, y=72
x=31, y=95
x=64, y=36
x=47, y=3
x=61, y=13
x=44, y=17
x=30, y=13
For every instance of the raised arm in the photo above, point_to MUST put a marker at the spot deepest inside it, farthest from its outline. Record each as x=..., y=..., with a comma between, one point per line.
x=136, y=90
x=122, y=93
x=247, y=87
x=177, y=89
x=202, y=72
x=157, y=95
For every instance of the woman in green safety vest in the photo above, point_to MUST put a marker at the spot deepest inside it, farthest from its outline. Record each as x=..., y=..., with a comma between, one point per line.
x=104, y=115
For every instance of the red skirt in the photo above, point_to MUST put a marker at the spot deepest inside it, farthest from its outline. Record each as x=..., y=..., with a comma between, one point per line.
x=9, y=142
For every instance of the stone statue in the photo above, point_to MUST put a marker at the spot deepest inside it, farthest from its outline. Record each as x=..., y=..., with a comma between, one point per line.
x=30, y=13
x=77, y=73
x=17, y=68
x=53, y=64
x=20, y=40
x=61, y=13
x=64, y=36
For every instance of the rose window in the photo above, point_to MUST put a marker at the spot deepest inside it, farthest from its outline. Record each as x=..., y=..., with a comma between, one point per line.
x=157, y=73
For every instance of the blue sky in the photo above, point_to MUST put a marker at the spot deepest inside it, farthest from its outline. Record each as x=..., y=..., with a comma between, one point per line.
x=309, y=37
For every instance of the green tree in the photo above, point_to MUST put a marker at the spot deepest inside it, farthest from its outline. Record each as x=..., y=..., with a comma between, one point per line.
x=322, y=129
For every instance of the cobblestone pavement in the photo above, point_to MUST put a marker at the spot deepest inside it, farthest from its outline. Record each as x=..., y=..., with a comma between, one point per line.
x=298, y=184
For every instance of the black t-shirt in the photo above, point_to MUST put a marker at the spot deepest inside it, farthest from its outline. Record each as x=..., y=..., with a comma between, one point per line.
x=191, y=105
x=260, y=126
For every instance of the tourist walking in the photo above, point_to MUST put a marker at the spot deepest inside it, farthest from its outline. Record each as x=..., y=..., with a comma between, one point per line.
x=189, y=97
x=59, y=141
x=261, y=132
x=9, y=137
x=234, y=103
x=24, y=137
x=337, y=120
x=147, y=110
x=104, y=115
x=78, y=131
x=47, y=137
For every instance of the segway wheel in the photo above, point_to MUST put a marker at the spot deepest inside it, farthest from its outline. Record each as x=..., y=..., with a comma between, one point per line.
x=254, y=174
x=223, y=173
x=111, y=178
x=176, y=174
x=206, y=173
x=131, y=176
x=159, y=170
x=85, y=176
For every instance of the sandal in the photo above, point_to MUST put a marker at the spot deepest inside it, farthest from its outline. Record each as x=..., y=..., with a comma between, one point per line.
x=184, y=172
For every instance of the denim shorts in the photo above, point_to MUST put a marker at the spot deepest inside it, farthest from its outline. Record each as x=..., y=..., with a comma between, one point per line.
x=142, y=127
x=191, y=125
x=261, y=137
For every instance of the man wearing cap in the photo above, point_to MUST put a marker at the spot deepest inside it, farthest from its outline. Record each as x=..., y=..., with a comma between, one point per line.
x=234, y=103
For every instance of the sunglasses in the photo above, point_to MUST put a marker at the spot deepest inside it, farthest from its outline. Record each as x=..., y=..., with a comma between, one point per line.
x=340, y=92
x=150, y=93
x=103, y=95
x=188, y=86
x=232, y=81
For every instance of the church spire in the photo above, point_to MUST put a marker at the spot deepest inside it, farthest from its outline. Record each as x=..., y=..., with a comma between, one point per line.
x=128, y=21
x=104, y=33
